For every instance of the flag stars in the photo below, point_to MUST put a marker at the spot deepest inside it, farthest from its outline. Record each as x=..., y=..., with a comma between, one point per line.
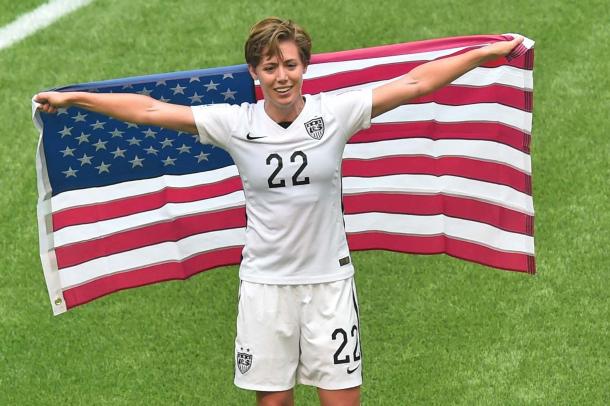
x=134, y=141
x=85, y=160
x=79, y=117
x=202, y=157
x=160, y=83
x=163, y=99
x=178, y=89
x=68, y=151
x=169, y=161
x=62, y=110
x=131, y=125
x=66, y=131
x=83, y=138
x=100, y=144
x=118, y=152
x=167, y=143
x=151, y=150
x=116, y=133
x=144, y=92
x=98, y=125
x=229, y=94
x=136, y=162
x=194, y=79
x=70, y=172
x=103, y=168
x=184, y=149
x=149, y=133
x=195, y=98
x=211, y=86
x=227, y=76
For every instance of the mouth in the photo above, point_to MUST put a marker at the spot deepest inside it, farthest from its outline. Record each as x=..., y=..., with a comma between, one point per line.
x=283, y=90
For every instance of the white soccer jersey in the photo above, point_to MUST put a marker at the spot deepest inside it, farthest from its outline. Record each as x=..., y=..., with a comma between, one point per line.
x=292, y=183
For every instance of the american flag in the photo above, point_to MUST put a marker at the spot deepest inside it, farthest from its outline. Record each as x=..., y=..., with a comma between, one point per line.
x=124, y=205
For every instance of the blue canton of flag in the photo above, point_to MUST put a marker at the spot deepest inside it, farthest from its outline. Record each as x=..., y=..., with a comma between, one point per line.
x=84, y=149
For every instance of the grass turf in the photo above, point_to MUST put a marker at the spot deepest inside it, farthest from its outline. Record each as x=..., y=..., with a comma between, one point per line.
x=12, y=9
x=435, y=330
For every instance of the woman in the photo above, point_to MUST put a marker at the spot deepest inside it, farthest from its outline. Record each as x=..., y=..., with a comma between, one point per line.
x=298, y=312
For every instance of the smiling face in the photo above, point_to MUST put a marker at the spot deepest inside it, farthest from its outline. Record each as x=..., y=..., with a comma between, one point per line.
x=281, y=78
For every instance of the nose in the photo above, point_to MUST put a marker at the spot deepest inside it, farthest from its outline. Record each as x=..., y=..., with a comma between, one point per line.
x=281, y=74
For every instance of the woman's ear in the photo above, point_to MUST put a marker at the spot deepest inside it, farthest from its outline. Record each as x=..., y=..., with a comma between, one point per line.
x=252, y=72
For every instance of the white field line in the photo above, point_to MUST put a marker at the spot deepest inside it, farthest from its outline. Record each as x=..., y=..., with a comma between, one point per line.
x=37, y=19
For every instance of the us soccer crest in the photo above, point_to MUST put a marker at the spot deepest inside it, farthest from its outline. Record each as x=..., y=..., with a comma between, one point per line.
x=315, y=128
x=244, y=360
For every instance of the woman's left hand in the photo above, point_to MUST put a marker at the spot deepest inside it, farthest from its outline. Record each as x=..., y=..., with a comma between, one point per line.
x=502, y=48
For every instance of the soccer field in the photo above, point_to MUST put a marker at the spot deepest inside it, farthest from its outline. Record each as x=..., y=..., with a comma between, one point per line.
x=435, y=330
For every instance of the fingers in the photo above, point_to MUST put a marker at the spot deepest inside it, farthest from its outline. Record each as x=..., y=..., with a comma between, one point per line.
x=518, y=39
x=41, y=97
x=45, y=103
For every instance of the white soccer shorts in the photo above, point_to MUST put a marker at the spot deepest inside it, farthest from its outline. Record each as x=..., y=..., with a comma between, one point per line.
x=308, y=334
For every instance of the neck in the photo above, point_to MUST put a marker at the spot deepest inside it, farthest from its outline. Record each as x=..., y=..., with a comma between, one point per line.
x=284, y=113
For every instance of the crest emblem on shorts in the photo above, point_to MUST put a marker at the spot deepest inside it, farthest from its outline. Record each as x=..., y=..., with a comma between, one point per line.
x=315, y=128
x=244, y=360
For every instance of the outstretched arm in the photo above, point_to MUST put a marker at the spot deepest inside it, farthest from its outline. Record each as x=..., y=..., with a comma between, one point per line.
x=431, y=76
x=134, y=108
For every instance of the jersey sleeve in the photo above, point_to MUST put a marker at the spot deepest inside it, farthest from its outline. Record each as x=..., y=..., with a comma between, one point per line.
x=353, y=109
x=216, y=123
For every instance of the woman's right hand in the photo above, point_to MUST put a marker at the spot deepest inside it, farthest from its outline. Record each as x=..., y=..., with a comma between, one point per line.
x=49, y=102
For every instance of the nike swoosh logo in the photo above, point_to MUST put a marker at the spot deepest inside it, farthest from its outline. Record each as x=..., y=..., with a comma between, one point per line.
x=351, y=371
x=252, y=138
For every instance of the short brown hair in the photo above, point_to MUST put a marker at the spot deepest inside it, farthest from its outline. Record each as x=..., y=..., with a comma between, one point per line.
x=266, y=35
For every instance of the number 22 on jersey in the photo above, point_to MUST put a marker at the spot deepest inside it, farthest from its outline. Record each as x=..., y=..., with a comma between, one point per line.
x=277, y=161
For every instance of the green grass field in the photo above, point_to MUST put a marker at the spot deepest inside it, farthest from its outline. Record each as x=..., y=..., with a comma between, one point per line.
x=435, y=330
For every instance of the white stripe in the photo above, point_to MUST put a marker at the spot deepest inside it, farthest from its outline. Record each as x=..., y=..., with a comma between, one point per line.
x=318, y=70
x=151, y=255
x=170, y=211
x=37, y=19
x=481, y=112
x=473, y=231
x=499, y=195
x=103, y=194
x=477, y=149
x=501, y=75
x=45, y=231
x=478, y=77
x=329, y=68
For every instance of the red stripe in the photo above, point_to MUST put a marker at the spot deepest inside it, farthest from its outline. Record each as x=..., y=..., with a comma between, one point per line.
x=442, y=131
x=136, y=204
x=439, y=244
x=450, y=95
x=183, y=227
x=388, y=71
x=428, y=205
x=173, y=230
x=461, y=95
x=415, y=47
x=362, y=241
x=152, y=274
x=456, y=166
